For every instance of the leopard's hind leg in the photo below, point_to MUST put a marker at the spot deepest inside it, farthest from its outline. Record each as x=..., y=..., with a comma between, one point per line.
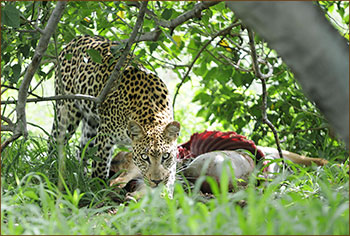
x=66, y=122
x=89, y=131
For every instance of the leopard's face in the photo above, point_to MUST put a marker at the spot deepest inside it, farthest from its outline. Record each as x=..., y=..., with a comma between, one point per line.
x=154, y=153
x=154, y=162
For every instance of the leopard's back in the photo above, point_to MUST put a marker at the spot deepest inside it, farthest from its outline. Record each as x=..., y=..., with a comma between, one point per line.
x=79, y=73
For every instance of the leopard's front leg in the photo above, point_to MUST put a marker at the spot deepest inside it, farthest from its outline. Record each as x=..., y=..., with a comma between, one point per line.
x=171, y=180
x=100, y=167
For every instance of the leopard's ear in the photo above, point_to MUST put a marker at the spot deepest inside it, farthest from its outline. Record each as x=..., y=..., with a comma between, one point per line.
x=172, y=130
x=135, y=131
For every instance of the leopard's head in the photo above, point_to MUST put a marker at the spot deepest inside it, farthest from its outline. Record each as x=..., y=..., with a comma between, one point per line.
x=154, y=150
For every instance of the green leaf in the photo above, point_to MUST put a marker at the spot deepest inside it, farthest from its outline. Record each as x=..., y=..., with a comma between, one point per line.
x=202, y=112
x=237, y=79
x=227, y=91
x=242, y=78
x=25, y=50
x=84, y=30
x=170, y=52
x=6, y=58
x=341, y=11
x=330, y=8
x=224, y=75
x=16, y=69
x=31, y=194
x=95, y=55
x=3, y=44
x=153, y=47
x=255, y=110
x=10, y=16
x=33, y=42
x=203, y=98
x=117, y=49
x=195, y=30
x=213, y=185
x=166, y=14
x=205, y=19
x=300, y=117
x=346, y=19
x=219, y=7
x=68, y=33
x=211, y=73
x=68, y=56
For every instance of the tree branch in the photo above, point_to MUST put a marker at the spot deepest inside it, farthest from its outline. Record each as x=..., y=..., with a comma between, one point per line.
x=55, y=98
x=9, y=127
x=116, y=72
x=172, y=24
x=263, y=78
x=187, y=15
x=6, y=128
x=221, y=32
x=148, y=36
x=10, y=140
x=21, y=126
x=7, y=120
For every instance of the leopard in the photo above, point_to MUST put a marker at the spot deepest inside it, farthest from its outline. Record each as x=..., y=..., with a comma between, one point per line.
x=136, y=113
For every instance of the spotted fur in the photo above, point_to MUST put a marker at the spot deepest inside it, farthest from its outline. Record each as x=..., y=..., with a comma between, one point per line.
x=136, y=113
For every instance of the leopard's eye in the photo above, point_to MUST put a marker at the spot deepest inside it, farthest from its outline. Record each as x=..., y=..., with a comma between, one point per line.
x=144, y=156
x=166, y=155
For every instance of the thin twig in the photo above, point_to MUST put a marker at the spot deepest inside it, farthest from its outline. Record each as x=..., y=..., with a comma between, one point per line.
x=237, y=67
x=35, y=26
x=119, y=18
x=263, y=78
x=168, y=63
x=221, y=32
x=33, y=11
x=216, y=58
x=237, y=45
x=14, y=88
x=116, y=72
x=42, y=80
x=9, y=114
x=4, y=90
x=7, y=120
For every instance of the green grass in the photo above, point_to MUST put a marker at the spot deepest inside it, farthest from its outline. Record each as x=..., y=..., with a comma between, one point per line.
x=310, y=201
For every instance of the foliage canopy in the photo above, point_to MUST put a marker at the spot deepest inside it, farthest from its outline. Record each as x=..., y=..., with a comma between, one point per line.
x=228, y=91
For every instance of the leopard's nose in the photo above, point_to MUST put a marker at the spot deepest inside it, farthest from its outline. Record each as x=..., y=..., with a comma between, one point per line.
x=156, y=182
